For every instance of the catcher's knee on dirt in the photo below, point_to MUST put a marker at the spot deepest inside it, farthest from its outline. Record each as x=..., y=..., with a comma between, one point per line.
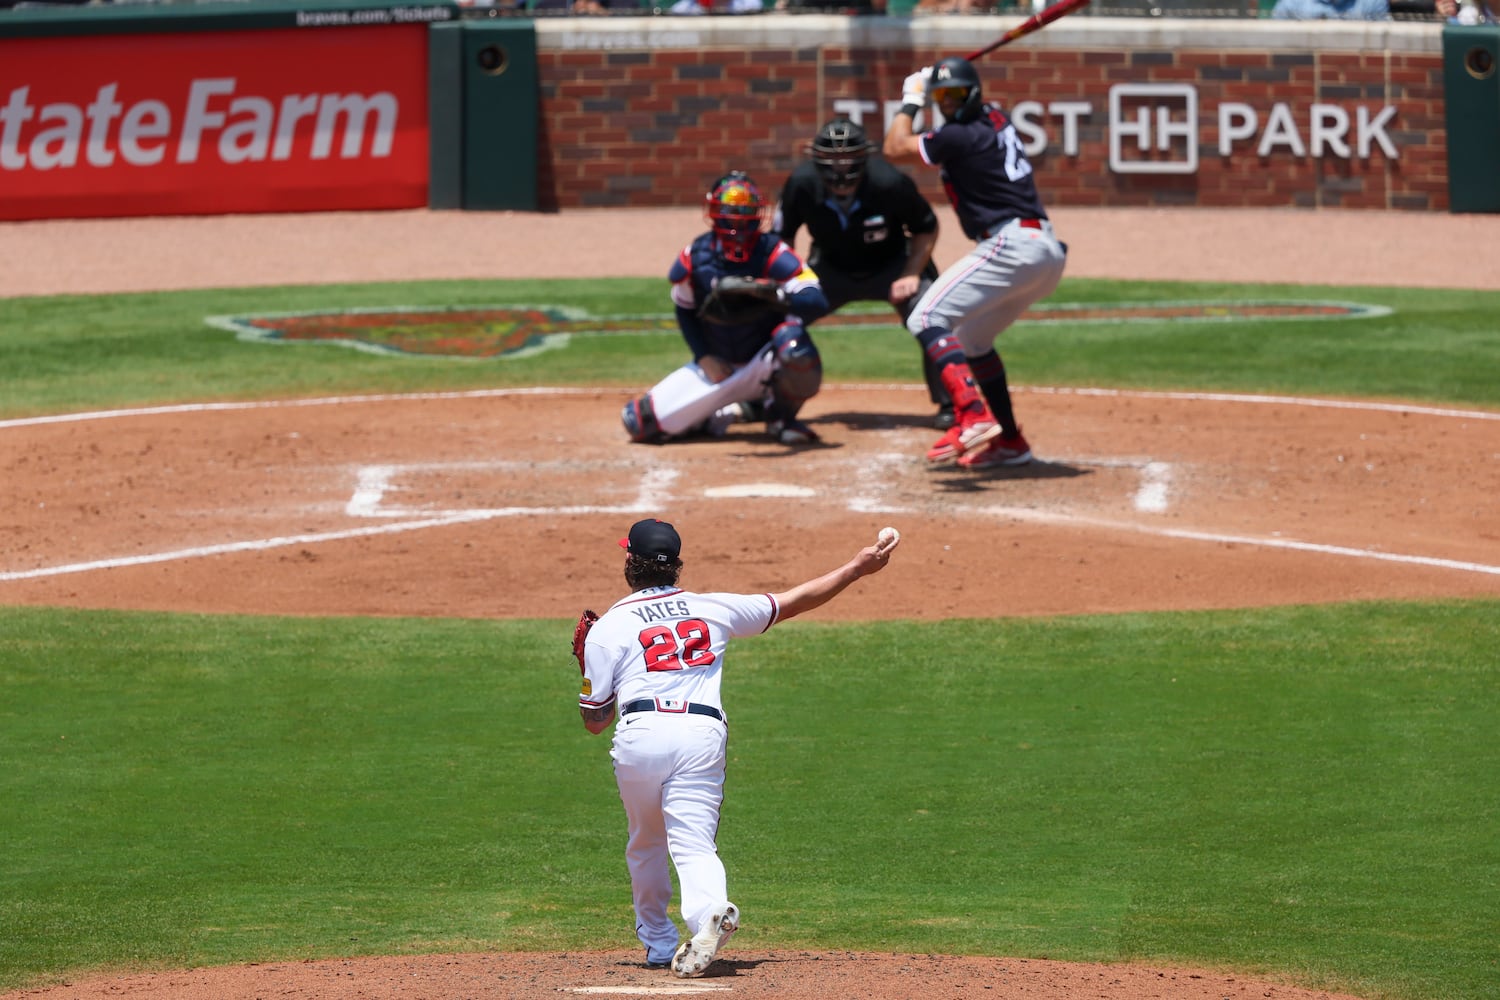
x=639, y=418
x=799, y=368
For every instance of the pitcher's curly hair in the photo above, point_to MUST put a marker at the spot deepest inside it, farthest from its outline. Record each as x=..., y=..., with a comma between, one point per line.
x=641, y=572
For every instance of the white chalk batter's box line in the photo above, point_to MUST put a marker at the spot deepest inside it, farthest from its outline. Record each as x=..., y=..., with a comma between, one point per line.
x=373, y=481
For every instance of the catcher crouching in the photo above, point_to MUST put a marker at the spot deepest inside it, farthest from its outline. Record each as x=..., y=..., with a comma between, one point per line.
x=742, y=298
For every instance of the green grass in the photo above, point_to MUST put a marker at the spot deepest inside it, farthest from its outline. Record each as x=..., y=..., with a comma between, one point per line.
x=1300, y=793
x=1307, y=792
x=85, y=352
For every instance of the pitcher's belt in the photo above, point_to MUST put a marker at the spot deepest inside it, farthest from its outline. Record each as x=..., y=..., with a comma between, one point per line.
x=672, y=706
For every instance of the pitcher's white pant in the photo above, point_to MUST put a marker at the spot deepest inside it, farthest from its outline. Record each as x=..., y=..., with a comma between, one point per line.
x=686, y=398
x=670, y=769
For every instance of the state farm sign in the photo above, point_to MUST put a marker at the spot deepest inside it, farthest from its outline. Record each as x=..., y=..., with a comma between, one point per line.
x=214, y=123
x=237, y=128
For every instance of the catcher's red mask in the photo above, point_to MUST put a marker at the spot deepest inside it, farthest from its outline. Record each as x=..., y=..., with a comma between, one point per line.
x=734, y=209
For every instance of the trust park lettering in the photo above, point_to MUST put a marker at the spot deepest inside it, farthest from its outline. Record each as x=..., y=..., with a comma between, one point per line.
x=237, y=128
x=1153, y=128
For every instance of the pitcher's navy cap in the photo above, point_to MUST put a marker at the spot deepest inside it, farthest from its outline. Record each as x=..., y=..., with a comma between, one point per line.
x=652, y=539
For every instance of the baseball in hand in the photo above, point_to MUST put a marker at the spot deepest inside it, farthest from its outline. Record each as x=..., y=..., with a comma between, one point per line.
x=887, y=539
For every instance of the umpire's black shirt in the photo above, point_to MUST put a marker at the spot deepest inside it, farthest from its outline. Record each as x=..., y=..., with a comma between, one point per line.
x=866, y=238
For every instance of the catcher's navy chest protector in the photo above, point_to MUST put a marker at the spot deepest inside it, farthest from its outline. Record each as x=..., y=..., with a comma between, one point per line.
x=740, y=338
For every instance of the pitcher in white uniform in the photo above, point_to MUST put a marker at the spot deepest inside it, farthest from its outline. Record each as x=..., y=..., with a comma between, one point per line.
x=656, y=657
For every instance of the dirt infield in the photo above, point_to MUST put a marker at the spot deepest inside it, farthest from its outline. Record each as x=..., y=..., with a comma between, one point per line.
x=422, y=504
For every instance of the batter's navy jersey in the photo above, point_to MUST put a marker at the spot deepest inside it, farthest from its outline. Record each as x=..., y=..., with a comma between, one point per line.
x=985, y=172
x=869, y=235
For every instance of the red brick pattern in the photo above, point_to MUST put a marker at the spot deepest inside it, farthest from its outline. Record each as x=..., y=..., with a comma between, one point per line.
x=654, y=128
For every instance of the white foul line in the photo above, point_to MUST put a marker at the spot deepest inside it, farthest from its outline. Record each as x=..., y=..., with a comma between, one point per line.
x=372, y=482
x=1235, y=397
x=1024, y=514
x=272, y=404
x=257, y=545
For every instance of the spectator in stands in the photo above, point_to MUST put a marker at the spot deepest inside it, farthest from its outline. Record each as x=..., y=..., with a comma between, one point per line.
x=574, y=6
x=952, y=6
x=830, y=6
x=716, y=7
x=1472, y=12
x=1332, y=10
x=554, y=6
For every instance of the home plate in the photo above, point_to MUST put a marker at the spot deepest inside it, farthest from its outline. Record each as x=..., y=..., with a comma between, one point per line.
x=666, y=990
x=760, y=490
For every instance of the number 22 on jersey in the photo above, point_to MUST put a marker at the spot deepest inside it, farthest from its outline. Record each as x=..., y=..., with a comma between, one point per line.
x=1016, y=164
x=677, y=647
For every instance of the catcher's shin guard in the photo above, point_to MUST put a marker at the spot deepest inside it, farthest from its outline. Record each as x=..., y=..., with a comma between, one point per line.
x=799, y=367
x=639, y=418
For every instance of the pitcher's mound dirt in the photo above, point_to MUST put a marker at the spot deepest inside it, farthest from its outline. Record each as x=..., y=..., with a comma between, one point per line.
x=773, y=975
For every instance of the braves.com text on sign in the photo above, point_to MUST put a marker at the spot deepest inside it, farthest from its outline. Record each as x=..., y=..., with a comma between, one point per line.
x=252, y=121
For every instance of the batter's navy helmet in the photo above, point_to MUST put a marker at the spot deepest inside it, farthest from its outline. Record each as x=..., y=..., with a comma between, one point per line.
x=955, y=89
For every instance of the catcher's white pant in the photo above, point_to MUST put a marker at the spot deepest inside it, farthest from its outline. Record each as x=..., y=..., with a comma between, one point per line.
x=670, y=769
x=686, y=398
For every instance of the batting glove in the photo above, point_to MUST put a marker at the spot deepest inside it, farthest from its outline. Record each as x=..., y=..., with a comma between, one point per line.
x=914, y=89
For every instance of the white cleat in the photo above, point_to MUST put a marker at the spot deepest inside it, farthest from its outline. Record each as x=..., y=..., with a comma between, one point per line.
x=696, y=954
x=726, y=417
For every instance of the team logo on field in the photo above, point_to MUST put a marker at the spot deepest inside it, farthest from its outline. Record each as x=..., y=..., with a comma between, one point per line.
x=481, y=332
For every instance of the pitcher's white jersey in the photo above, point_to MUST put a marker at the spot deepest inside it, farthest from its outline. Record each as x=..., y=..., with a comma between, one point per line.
x=668, y=644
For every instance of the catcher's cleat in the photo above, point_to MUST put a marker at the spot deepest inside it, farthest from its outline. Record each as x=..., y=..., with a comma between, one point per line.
x=792, y=431
x=696, y=954
x=1000, y=451
x=726, y=417
x=944, y=417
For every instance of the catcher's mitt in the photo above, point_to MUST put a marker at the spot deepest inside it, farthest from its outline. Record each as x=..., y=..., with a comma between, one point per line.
x=736, y=298
x=581, y=634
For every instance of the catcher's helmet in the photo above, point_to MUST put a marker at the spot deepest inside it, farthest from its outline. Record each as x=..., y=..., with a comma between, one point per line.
x=840, y=150
x=733, y=207
x=955, y=89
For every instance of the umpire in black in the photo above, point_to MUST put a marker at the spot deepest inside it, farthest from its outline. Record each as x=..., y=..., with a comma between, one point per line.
x=872, y=230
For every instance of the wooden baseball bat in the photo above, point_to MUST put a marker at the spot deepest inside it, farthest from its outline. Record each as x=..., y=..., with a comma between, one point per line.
x=1035, y=22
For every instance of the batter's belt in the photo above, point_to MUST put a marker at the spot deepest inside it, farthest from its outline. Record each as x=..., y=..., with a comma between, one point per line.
x=1023, y=223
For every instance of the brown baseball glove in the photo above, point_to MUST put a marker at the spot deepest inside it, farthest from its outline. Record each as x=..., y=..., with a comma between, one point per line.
x=581, y=634
x=739, y=299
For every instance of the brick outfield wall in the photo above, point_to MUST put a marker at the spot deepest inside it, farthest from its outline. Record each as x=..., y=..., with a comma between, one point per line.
x=652, y=124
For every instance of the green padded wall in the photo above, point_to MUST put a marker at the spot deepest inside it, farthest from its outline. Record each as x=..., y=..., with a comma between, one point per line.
x=1471, y=84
